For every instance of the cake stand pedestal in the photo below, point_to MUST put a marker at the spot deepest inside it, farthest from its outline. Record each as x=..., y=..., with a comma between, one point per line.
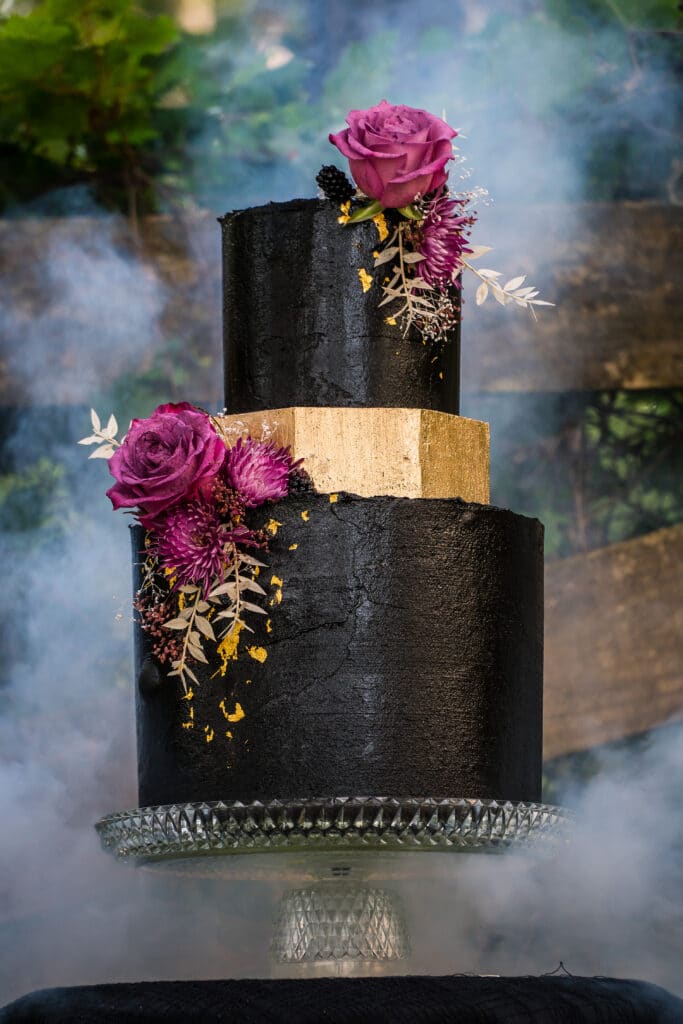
x=337, y=859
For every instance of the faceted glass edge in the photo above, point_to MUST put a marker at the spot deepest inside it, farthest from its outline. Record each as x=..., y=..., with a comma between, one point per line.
x=386, y=823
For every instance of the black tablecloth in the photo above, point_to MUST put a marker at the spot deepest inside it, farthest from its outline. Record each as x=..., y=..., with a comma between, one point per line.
x=464, y=999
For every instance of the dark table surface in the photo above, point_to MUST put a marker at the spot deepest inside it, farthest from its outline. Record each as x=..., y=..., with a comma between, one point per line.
x=461, y=998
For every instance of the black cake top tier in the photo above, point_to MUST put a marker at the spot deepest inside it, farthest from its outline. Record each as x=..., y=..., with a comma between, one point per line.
x=302, y=326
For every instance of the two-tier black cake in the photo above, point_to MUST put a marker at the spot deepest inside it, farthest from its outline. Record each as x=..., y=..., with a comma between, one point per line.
x=401, y=650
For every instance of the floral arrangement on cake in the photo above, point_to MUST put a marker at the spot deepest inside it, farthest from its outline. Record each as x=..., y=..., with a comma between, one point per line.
x=397, y=158
x=193, y=492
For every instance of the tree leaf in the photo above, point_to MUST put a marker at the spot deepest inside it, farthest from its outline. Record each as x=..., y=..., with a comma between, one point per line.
x=95, y=420
x=413, y=257
x=365, y=212
x=482, y=293
x=105, y=452
x=176, y=624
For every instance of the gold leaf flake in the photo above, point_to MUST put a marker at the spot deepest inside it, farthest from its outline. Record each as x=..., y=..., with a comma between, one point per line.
x=269, y=626
x=227, y=648
x=380, y=223
x=305, y=515
x=345, y=208
x=391, y=320
x=365, y=279
x=189, y=695
x=209, y=733
x=237, y=715
x=188, y=725
x=334, y=498
x=276, y=582
x=293, y=547
x=257, y=653
x=272, y=526
x=229, y=734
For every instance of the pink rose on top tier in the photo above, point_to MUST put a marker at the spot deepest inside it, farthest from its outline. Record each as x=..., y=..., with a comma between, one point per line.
x=174, y=454
x=396, y=153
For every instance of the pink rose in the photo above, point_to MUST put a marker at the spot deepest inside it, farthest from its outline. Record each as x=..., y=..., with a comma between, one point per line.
x=396, y=153
x=174, y=454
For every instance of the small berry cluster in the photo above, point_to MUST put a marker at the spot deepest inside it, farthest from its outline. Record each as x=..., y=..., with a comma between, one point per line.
x=153, y=614
x=334, y=184
x=300, y=482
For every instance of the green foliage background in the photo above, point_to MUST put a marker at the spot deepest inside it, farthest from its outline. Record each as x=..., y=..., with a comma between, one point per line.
x=113, y=95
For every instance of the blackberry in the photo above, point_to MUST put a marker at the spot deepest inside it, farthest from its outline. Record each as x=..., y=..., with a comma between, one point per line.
x=300, y=482
x=334, y=184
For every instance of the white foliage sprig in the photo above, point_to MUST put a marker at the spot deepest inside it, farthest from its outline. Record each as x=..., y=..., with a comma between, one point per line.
x=105, y=437
x=415, y=295
x=511, y=291
x=226, y=600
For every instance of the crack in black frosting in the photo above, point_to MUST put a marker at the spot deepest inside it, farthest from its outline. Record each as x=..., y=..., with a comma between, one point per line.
x=405, y=658
x=300, y=331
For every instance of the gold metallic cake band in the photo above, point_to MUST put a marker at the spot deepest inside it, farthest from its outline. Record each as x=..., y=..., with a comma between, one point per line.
x=410, y=453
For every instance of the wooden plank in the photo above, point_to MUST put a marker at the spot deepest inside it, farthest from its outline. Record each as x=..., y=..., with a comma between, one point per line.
x=613, y=269
x=614, y=642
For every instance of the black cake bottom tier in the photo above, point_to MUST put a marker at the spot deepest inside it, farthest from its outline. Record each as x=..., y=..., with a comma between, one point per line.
x=401, y=656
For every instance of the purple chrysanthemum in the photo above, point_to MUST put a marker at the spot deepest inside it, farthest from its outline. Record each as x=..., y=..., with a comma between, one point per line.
x=258, y=471
x=442, y=242
x=190, y=540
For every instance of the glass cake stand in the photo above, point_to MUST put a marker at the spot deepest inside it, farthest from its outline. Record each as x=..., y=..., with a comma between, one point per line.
x=335, y=858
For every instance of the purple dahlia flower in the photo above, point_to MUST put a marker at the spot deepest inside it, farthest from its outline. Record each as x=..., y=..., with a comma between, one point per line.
x=190, y=541
x=258, y=471
x=442, y=242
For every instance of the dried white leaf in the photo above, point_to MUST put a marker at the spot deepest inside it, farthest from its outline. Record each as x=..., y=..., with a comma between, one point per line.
x=95, y=420
x=224, y=588
x=247, y=584
x=93, y=439
x=112, y=427
x=250, y=560
x=477, y=251
x=482, y=293
x=524, y=293
x=105, y=452
x=514, y=282
x=489, y=274
x=188, y=588
x=254, y=608
x=197, y=653
x=413, y=257
x=205, y=627
x=386, y=255
x=499, y=296
x=176, y=624
x=540, y=302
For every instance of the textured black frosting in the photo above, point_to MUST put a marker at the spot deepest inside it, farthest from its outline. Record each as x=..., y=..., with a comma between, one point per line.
x=405, y=658
x=300, y=330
